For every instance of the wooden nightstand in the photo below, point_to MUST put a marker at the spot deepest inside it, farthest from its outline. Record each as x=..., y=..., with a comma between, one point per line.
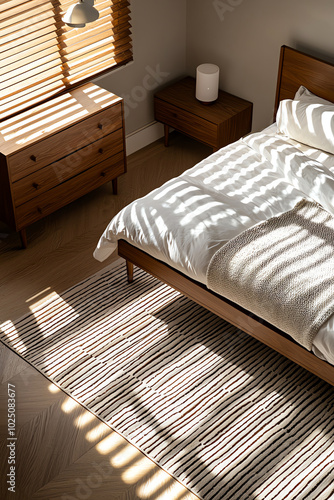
x=216, y=124
x=58, y=151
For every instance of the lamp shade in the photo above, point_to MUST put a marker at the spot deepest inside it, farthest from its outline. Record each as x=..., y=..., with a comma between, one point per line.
x=207, y=82
x=81, y=13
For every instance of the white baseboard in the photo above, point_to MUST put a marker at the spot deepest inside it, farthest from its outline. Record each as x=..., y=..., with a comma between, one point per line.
x=142, y=137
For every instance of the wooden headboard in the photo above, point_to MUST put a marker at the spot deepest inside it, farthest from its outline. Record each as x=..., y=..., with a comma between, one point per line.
x=296, y=69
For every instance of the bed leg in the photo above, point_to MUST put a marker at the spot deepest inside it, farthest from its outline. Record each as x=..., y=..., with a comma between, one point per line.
x=129, y=271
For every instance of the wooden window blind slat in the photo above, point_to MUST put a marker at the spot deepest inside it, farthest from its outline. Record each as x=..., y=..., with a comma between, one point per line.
x=29, y=54
x=83, y=74
x=94, y=38
x=19, y=59
x=23, y=41
x=85, y=61
x=103, y=22
x=32, y=15
x=16, y=8
x=10, y=4
x=29, y=30
x=41, y=56
x=32, y=67
x=29, y=80
x=94, y=44
x=103, y=44
x=14, y=11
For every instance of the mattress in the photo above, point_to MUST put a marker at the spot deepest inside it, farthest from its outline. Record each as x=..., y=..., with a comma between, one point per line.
x=185, y=221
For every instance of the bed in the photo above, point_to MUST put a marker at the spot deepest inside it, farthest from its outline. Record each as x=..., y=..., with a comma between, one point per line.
x=239, y=187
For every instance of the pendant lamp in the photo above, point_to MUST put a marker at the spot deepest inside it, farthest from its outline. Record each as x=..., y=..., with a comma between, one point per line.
x=81, y=13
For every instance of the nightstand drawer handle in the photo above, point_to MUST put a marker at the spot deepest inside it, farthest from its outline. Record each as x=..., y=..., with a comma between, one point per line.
x=100, y=126
x=35, y=185
x=174, y=115
x=101, y=150
x=103, y=174
x=39, y=210
x=33, y=158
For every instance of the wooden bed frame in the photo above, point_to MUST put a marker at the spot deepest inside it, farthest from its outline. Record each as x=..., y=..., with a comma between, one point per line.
x=295, y=69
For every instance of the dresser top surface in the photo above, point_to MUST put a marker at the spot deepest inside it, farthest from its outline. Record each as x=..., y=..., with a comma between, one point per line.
x=53, y=116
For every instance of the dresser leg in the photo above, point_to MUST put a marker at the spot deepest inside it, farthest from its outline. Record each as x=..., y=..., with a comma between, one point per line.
x=23, y=236
x=166, y=128
x=114, y=186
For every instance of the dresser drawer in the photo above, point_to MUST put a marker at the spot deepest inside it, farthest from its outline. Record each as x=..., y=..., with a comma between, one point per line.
x=48, y=177
x=68, y=191
x=63, y=143
x=186, y=122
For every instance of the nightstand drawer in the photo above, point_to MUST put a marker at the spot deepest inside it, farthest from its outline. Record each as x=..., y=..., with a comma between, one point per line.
x=63, y=143
x=70, y=190
x=48, y=177
x=186, y=122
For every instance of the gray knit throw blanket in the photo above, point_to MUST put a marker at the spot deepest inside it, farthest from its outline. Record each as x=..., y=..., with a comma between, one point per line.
x=282, y=270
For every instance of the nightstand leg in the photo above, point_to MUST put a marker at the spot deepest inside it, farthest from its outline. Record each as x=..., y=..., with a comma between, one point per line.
x=166, y=127
x=23, y=236
x=114, y=186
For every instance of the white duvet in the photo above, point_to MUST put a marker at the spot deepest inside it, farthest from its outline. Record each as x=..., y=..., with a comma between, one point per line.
x=185, y=221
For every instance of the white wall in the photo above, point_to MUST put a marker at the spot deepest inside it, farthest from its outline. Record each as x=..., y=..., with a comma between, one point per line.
x=243, y=37
x=159, y=50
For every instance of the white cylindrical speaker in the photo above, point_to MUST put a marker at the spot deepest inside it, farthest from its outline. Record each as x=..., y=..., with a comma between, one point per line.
x=207, y=82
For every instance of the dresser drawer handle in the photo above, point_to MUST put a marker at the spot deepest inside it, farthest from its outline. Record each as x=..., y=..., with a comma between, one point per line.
x=100, y=126
x=33, y=158
x=174, y=115
x=101, y=150
x=103, y=174
x=39, y=210
x=35, y=185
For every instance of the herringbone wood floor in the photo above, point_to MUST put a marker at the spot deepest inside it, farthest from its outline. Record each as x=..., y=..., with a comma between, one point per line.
x=62, y=451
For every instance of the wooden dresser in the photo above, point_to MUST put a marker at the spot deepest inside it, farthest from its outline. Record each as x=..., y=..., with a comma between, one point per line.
x=58, y=151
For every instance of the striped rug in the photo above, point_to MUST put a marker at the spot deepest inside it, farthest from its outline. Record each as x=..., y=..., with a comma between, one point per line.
x=224, y=414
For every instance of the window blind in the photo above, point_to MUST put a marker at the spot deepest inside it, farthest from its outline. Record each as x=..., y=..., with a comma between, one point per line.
x=41, y=56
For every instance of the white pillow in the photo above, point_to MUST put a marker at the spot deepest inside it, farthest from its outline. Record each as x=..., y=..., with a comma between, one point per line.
x=305, y=95
x=307, y=120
